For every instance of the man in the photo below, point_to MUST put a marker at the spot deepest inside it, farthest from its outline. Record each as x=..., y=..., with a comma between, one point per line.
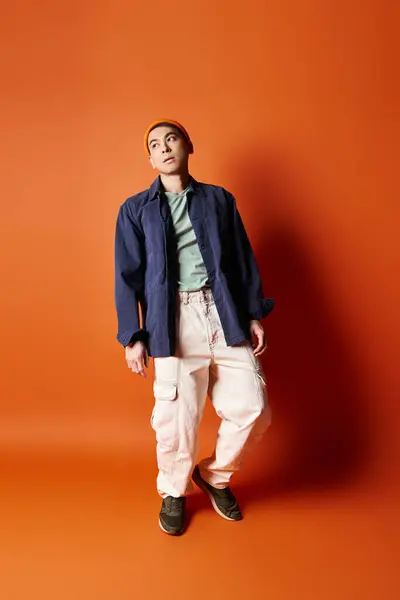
x=183, y=256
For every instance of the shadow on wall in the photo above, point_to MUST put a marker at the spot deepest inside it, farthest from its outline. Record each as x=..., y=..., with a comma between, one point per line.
x=320, y=430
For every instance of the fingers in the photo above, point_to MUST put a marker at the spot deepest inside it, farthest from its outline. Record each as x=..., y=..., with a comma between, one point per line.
x=262, y=345
x=263, y=349
x=257, y=348
x=260, y=342
x=132, y=365
x=136, y=366
x=140, y=367
x=140, y=371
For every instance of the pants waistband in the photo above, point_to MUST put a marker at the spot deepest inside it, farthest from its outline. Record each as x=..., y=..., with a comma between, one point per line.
x=203, y=295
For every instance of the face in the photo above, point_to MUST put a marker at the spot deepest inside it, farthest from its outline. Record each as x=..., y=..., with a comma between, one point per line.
x=169, y=150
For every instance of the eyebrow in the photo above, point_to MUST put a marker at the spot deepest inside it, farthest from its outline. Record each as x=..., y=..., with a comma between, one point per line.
x=166, y=135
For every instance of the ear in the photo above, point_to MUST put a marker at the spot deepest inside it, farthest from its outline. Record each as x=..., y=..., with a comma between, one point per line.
x=191, y=147
x=151, y=162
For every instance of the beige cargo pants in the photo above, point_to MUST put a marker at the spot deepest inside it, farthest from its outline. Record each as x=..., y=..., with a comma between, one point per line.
x=233, y=379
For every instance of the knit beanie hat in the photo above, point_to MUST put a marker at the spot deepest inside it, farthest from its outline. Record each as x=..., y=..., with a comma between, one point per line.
x=164, y=122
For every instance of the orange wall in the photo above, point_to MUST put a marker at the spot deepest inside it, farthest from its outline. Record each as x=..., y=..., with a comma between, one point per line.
x=291, y=105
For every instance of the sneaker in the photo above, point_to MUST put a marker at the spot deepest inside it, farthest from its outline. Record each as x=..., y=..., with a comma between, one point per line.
x=223, y=501
x=172, y=515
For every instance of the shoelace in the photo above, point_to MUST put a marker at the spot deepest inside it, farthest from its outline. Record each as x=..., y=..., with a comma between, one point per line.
x=173, y=504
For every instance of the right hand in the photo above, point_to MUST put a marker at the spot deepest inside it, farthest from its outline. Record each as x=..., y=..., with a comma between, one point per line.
x=137, y=358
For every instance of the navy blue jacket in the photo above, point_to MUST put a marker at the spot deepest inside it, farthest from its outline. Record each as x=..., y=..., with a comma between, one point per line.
x=145, y=262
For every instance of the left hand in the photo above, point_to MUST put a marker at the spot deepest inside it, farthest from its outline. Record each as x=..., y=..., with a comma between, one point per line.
x=258, y=338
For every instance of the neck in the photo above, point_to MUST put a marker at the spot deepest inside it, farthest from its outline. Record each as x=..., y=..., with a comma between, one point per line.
x=175, y=183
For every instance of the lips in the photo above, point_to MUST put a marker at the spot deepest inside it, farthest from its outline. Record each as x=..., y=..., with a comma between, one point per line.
x=169, y=159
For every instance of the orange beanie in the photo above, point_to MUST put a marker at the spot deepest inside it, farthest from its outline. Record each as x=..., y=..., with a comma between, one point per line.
x=160, y=122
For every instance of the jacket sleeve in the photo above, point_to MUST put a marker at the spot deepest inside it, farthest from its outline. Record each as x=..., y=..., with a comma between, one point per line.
x=247, y=275
x=129, y=277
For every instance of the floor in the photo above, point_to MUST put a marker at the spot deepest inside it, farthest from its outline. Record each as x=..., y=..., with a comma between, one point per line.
x=85, y=526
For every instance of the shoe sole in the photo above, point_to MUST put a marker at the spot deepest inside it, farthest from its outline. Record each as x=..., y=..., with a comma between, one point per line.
x=169, y=532
x=211, y=497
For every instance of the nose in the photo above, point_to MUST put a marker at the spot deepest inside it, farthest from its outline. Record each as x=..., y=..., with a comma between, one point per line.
x=165, y=147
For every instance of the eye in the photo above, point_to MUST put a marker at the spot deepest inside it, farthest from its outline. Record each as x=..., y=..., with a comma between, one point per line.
x=172, y=137
x=154, y=145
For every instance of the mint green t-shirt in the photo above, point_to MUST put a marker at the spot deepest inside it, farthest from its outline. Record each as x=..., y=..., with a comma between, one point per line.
x=192, y=273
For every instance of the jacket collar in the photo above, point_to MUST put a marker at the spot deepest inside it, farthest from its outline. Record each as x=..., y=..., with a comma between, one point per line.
x=156, y=187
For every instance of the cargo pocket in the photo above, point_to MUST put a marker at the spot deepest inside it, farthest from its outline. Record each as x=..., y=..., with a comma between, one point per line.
x=164, y=418
x=165, y=390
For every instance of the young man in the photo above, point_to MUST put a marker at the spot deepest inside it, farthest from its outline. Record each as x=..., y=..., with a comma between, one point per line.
x=182, y=254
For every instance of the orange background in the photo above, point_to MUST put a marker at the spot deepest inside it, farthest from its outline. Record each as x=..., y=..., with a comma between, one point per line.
x=292, y=107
